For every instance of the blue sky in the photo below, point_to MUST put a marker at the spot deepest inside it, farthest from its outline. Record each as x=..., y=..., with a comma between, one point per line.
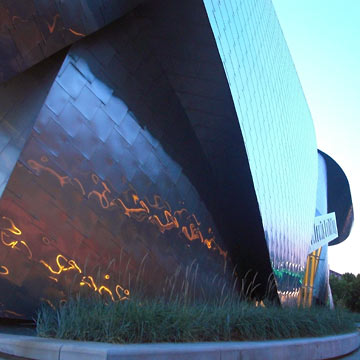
x=324, y=40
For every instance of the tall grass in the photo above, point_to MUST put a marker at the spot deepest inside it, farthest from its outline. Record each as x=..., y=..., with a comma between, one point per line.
x=157, y=320
x=184, y=312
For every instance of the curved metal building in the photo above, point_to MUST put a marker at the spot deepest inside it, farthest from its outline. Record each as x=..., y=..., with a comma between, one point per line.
x=156, y=135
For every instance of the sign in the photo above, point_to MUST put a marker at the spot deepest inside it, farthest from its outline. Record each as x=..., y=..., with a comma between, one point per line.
x=325, y=230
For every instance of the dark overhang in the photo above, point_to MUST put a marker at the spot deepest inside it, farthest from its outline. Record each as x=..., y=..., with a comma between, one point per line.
x=339, y=198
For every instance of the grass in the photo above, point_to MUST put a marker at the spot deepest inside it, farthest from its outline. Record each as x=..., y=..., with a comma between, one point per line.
x=184, y=312
x=159, y=320
x=356, y=317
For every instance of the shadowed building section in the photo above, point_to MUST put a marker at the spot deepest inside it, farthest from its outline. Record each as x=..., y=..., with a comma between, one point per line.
x=192, y=64
x=339, y=198
x=33, y=30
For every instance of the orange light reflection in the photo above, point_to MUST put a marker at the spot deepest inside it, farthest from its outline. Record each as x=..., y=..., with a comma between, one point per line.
x=62, y=263
x=61, y=268
x=13, y=229
x=39, y=167
x=52, y=26
x=102, y=197
x=27, y=248
x=75, y=32
x=4, y=270
x=171, y=222
x=81, y=186
x=141, y=212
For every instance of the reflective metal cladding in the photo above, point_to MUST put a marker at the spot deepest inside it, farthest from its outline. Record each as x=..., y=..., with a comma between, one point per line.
x=277, y=128
x=176, y=139
x=33, y=30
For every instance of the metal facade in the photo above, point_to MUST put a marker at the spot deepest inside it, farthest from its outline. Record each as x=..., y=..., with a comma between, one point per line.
x=174, y=144
x=277, y=128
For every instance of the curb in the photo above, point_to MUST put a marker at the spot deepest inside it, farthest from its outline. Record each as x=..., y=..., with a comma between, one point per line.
x=31, y=347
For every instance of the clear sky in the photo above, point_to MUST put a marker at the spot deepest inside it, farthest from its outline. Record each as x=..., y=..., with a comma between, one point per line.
x=324, y=40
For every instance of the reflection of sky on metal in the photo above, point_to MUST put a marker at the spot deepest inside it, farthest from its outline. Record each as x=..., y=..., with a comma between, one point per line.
x=20, y=101
x=323, y=37
x=321, y=196
x=320, y=283
x=275, y=122
x=9, y=157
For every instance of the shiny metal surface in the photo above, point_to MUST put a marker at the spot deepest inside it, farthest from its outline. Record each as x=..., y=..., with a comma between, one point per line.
x=21, y=99
x=192, y=63
x=177, y=137
x=105, y=182
x=321, y=279
x=277, y=128
x=32, y=30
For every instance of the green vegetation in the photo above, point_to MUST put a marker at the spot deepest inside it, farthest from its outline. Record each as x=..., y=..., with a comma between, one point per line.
x=186, y=313
x=157, y=320
x=346, y=292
